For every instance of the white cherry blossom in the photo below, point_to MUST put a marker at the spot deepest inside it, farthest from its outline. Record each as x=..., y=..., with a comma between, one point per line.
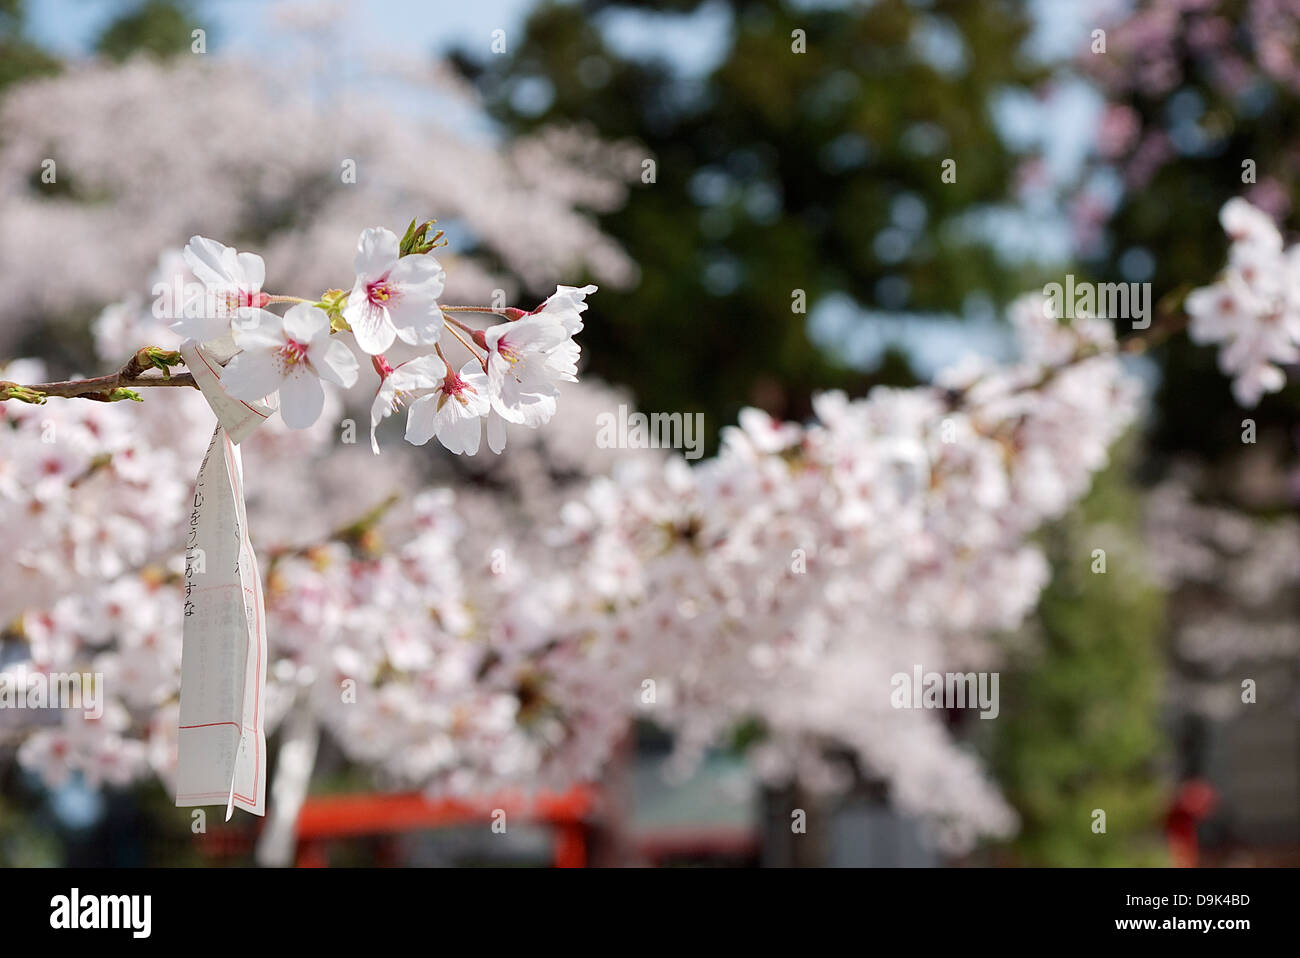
x=452, y=411
x=566, y=304
x=403, y=385
x=289, y=355
x=234, y=286
x=394, y=296
x=1253, y=311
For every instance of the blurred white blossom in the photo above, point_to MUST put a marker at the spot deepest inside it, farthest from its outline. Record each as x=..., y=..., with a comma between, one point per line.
x=1253, y=310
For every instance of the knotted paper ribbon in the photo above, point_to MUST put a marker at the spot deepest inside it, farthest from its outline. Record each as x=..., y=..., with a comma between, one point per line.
x=222, y=741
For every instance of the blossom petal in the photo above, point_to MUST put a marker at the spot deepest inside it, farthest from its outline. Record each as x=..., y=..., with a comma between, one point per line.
x=333, y=362
x=460, y=433
x=381, y=409
x=567, y=303
x=422, y=420
x=377, y=252
x=422, y=372
x=252, y=272
x=420, y=277
x=302, y=398
x=496, y=432
x=258, y=329
x=476, y=402
x=563, y=360
x=426, y=332
x=533, y=410
x=206, y=259
x=305, y=322
x=252, y=374
x=370, y=323
x=202, y=329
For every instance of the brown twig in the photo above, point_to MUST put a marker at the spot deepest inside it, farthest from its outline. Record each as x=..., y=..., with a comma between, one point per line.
x=101, y=388
x=1169, y=321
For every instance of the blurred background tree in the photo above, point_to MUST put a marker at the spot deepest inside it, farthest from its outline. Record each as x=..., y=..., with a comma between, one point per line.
x=1201, y=105
x=820, y=171
x=775, y=171
x=19, y=56
x=163, y=28
x=1080, y=723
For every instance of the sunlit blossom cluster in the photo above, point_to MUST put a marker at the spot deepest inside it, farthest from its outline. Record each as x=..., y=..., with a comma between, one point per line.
x=507, y=632
x=788, y=578
x=490, y=643
x=514, y=379
x=1253, y=310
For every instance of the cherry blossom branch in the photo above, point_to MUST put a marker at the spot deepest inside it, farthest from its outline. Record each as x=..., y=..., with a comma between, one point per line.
x=111, y=388
x=1170, y=320
x=393, y=296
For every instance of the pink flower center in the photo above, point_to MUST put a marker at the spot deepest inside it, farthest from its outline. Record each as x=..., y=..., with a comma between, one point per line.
x=382, y=292
x=453, y=387
x=508, y=352
x=291, y=354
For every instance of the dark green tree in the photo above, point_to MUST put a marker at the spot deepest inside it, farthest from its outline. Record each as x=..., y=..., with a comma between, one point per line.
x=159, y=27
x=19, y=56
x=822, y=171
x=778, y=171
x=1079, y=729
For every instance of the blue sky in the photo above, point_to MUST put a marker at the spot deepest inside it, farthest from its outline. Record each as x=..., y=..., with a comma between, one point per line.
x=691, y=43
x=245, y=25
x=70, y=25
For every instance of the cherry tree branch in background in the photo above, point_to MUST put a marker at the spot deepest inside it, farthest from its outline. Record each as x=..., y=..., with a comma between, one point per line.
x=111, y=388
x=1170, y=321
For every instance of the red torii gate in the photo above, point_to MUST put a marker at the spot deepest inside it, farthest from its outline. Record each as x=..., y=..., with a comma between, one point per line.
x=568, y=814
x=326, y=817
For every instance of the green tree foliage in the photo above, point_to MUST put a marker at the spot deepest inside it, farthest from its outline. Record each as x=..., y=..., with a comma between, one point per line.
x=777, y=171
x=159, y=27
x=1079, y=729
x=19, y=57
